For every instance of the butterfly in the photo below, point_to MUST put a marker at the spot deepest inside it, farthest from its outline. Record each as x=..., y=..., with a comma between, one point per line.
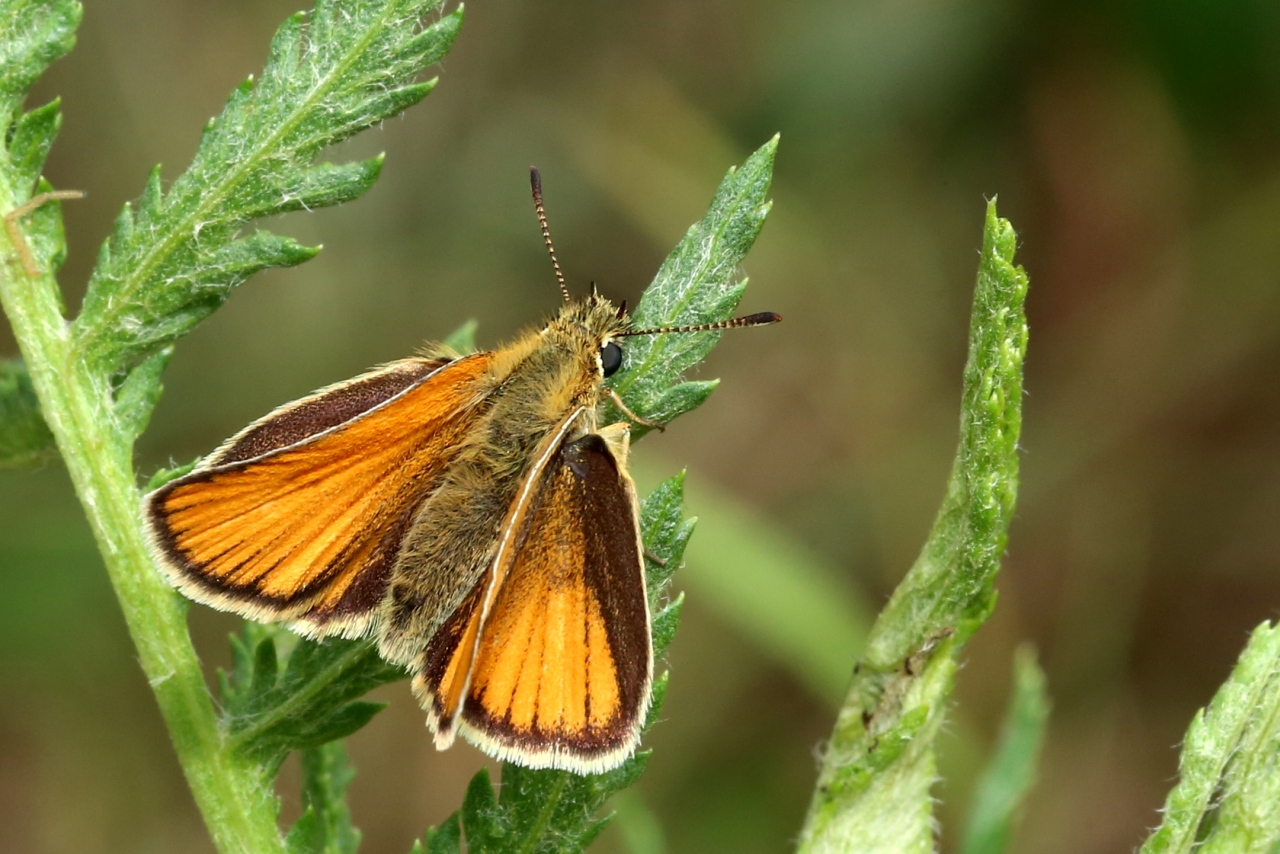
x=467, y=511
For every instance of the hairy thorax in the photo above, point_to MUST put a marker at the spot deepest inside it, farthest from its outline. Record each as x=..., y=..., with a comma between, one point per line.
x=536, y=384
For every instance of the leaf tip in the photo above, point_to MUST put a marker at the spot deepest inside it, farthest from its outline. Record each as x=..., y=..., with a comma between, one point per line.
x=768, y=151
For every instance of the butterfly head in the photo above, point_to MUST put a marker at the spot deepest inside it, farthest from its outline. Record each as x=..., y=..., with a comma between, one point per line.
x=591, y=326
x=595, y=325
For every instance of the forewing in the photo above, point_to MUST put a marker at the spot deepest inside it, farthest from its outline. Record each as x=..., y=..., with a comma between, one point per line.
x=299, y=517
x=563, y=668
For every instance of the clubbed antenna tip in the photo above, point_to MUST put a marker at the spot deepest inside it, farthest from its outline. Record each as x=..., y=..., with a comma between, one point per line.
x=763, y=318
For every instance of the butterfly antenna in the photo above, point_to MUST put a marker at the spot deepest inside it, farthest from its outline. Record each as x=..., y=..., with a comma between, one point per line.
x=535, y=181
x=764, y=318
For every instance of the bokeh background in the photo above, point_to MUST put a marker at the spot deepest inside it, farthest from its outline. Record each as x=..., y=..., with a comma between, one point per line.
x=1134, y=144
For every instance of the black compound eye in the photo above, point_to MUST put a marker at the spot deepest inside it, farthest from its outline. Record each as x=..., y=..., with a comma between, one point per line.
x=610, y=358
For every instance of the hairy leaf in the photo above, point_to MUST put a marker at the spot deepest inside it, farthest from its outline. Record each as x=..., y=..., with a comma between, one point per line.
x=31, y=137
x=873, y=790
x=698, y=283
x=36, y=33
x=270, y=708
x=445, y=839
x=25, y=439
x=348, y=66
x=325, y=825
x=1228, y=793
x=140, y=392
x=33, y=33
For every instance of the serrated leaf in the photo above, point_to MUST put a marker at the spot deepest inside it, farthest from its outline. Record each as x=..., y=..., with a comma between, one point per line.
x=32, y=137
x=696, y=284
x=325, y=825
x=543, y=811
x=445, y=839
x=25, y=439
x=874, y=789
x=348, y=66
x=1228, y=793
x=42, y=237
x=482, y=822
x=311, y=699
x=1009, y=775
x=664, y=624
x=32, y=35
x=36, y=33
x=685, y=397
x=665, y=533
x=140, y=392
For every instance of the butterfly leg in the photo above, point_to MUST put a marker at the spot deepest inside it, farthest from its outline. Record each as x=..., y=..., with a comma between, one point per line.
x=626, y=410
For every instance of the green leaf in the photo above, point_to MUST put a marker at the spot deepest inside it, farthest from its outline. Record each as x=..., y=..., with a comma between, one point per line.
x=950, y=587
x=32, y=137
x=445, y=839
x=1228, y=793
x=25, y=439
x=311, y=699
x=873, y=790
x=1007, y=779
x=696, y=284
x=463, y=339
x=140, y=392
x=33, y=34
x=325, y=825
x=665, y=533
x=348, y=66
x=164, y=475
x=36, y=33
x=482, y=822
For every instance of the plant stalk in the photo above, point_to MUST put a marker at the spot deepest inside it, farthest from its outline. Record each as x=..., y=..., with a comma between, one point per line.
x=236, y=800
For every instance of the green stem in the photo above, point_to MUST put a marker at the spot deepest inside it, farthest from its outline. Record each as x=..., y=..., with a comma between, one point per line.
x=237, y=801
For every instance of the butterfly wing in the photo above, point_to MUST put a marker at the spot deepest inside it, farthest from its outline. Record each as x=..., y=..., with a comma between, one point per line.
x=299, y=517
x=562, y=664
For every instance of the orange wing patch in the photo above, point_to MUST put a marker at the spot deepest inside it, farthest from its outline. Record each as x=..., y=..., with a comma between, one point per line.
x=310, y=530
x=545, y=662
x=563, y=667
x=445, y=665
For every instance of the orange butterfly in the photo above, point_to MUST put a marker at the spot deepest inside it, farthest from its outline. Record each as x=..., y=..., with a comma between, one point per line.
x=468, y=512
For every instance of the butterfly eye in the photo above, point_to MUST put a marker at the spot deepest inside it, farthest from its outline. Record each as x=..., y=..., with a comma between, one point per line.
x=610, y=358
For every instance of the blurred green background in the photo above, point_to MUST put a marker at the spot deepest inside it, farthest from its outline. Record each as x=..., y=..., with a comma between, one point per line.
x=1136, y=147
